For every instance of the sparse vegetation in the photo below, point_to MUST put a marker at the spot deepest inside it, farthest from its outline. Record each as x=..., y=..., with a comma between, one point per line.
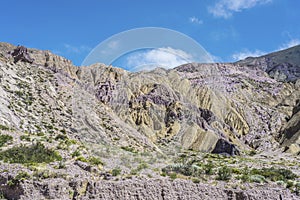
x=21, y=176
x=224, y=173
x=95, y=161
x=128, y=148
x=25, y=137
x=36, y=153
x=173, y=175
x=116, y=171
x=4, y=139
x=5, y=128
x=76, y=153
x=274, y=174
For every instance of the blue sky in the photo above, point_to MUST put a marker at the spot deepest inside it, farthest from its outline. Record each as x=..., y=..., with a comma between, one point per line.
x=227, y=29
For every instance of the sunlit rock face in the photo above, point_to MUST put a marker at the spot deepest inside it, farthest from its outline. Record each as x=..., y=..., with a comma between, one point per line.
x=100, y=120
x=193, y=106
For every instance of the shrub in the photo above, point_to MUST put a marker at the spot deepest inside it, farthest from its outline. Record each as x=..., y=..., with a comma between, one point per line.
x=21, y=176
x=142, y=166
x=224, y=173
x=36, y=153
x=5, y=128
x=4, y=139
x=184, y=169
x=275, y=174
x=134, y=172
x=25, y=137
x=82, y=159
x=164, y=174
x=257, y=178
x=252, y=153
x=95, y=161
x=61, y=137
x=76, y=153
x=128, y=148
x=196, y=180
x=173, y=176
x=116, y=171
x=208, y=168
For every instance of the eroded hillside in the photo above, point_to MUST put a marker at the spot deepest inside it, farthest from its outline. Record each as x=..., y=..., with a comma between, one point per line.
x=95, y=125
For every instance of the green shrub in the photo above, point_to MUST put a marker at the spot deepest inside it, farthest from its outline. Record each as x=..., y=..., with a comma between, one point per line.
x=21, y=176
x=134, y=172
x=116, y=171
x=128, y=148
x=257, y=178
x=61, y=137
x=196, y=180
x=4, y=139
x=184, y=169
x=164, y=174
x=208, y=168
x=173, y=176
x=274, y=174
x=40, y=134
x=142, y=166
x=25, y=137
x=224, y=173
x=252, y=153
x=95, y=161
x=5, y=128
x=61, y=165
x=36, y=153
x=76, y=153
x=82, y=159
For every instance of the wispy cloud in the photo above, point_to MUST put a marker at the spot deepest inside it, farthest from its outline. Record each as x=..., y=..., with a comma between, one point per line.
x=161, y=57
x=247, y=53
x=77, y=49
x=195, y=20
x=225, y=8
x=291, y=43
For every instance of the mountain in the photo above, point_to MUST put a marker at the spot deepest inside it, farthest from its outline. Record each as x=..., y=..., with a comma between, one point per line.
x=282, y=65
x=222, y=129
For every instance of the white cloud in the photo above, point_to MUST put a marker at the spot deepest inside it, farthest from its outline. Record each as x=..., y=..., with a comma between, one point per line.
x=291, y=43
x=225, y=8
x=246, y=53
x=161, y=57
x=195, y=20
x=77, y=50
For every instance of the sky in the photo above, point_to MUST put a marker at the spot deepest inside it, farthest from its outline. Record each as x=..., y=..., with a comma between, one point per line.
x=228, y=30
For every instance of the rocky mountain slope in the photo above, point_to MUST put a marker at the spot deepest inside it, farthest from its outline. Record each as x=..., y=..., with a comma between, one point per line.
x=74, y=132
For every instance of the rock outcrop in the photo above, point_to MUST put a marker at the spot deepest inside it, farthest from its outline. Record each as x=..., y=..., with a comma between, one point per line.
x=291, y=131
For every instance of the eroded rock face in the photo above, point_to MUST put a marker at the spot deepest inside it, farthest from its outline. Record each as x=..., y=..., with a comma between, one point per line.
x=195, y=105
x=291, y=131
x=21, y=54
x=151, y=189
x=223, y=108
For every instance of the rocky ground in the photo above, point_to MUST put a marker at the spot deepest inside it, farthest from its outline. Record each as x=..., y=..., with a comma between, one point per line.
x=199, y=131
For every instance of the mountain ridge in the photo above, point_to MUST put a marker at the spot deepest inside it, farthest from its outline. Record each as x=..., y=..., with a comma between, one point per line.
x=98, y=112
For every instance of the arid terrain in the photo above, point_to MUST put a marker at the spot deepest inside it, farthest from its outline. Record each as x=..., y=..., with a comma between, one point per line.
x=198, y=131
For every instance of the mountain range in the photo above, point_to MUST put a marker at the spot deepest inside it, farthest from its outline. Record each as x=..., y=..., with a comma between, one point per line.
x=198, y=131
